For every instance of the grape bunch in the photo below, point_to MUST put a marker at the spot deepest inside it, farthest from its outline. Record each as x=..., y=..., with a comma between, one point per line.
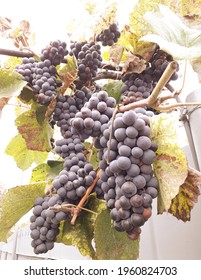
x=45, y=223
x=159, y=63
x=66, y=108
x=88, y=59
x=96, y=112
x=44, y=82
x=127, y=177
x=65, y=146
x=136, y=87
x=42, y=75
x=76, y=176
x=54, y=52
x=109, y=36
x=27, y=68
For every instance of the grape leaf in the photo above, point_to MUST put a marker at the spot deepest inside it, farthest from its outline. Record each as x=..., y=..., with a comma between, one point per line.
x=22, y=155
x=106, y=18
x=190, y=8
x=35, y=128
x=184, y=201
x=67, y=72
x=3, y=102
x=170, y=166
x=12, y=62
x=10, y=83
x=114, y=89
x=128, y=39
x=115, y=54
x=133, y=64
x=46, y=171
x=92, y=155
x=81, y=234
x=171, y=34
x=27, y=95
x=110, y=244
x=16, y=203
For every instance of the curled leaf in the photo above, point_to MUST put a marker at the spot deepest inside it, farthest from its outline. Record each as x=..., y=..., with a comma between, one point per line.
x=115, y=54
x=133, y=64
x=184, y=201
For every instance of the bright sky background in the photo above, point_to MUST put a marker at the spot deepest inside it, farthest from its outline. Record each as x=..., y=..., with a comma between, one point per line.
x=49, y=20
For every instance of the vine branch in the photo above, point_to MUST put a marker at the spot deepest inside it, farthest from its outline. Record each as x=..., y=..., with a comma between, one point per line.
x=16, y=53
x=84, y=198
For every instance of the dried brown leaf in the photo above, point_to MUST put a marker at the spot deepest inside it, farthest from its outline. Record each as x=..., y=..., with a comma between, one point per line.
x=133, y=64
x=185, y=200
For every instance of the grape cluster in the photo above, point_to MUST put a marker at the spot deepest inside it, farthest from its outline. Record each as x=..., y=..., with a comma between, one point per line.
x=44, y=82
x=27, y=68
x=45, y=223
x=109, y=36
x=136, y=87
x=159, y=63
x=73, y=181
x=54, y=52
x=96, y=112
x=128, y=182
x=66, y=108
x=42, y=75
x=88, y=59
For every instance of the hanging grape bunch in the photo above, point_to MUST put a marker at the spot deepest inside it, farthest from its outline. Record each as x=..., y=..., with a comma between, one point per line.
x=158, y=63
x=128, y=182
x=109, y=36
x=42, y=75
x=136, y=87
x=88, y=59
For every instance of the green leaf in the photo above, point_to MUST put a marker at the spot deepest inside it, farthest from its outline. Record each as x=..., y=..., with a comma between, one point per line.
x=22, y=155
x=171, y=34
x=92, y=155
x=12, y=62
x=46, y=171
x=81, y=234
x=10, y=83
x=170, y=166
x=111, y=244
x=16, y=203
x=35, y=128
x=114, y=89
x=68, y=72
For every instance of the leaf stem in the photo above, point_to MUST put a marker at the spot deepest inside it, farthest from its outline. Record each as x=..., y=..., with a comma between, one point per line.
x=84, y=198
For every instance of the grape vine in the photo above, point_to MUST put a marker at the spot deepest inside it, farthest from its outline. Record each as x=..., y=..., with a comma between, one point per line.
x=64, y=92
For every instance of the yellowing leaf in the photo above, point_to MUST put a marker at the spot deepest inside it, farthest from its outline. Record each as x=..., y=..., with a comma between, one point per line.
x=35, y=128
x=184, y=201
x=111, y=244
x=81, y=234
x=67, y=72
x=170, y=166
x=22, y=155
x=128, y=39
x=16, y=203
x=133, y=64
x=115, y=54
x=106, y=18
x=190, y=7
